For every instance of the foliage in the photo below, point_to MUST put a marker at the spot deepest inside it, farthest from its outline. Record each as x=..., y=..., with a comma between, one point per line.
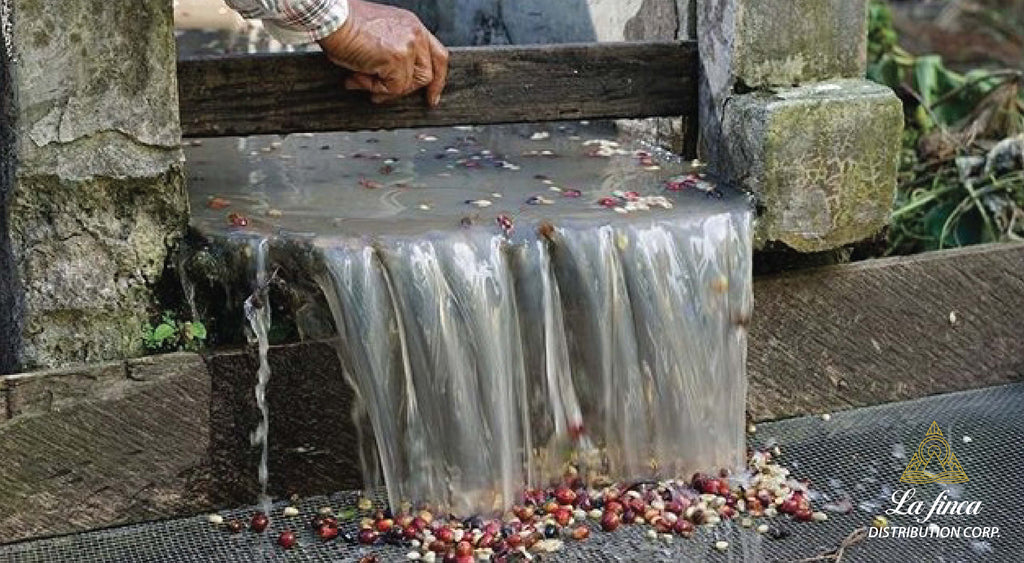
x=171, y=335
x=951, y=118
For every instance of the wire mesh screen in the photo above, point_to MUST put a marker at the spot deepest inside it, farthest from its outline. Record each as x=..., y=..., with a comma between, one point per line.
x=854, y=460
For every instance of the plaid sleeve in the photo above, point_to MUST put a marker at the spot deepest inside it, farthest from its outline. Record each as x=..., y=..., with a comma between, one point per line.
x=295, y=21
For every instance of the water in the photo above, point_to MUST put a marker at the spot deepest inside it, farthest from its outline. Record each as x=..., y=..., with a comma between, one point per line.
x=257, y=312
x=496, y=324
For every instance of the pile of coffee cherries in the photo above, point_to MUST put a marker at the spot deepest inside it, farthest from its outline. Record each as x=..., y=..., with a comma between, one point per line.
x=543, y=520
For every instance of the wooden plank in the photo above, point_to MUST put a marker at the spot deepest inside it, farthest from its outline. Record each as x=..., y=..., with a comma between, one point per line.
x=878, y=331
x=286, y=93
x=90, y=446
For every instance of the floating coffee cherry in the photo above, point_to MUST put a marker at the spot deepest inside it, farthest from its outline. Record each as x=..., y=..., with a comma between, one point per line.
x=238, y=220
x=259, y=522
x=506, y=223
x=218, y=203
x=286, y=539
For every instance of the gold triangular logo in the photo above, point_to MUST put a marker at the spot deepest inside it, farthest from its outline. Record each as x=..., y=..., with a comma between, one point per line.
x=934, y=461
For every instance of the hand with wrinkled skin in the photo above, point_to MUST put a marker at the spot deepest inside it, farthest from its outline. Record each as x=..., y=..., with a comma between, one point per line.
x=390, y=51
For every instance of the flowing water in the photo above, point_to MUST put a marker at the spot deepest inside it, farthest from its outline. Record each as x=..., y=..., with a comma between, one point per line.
x=496, y=322
x=257, y=312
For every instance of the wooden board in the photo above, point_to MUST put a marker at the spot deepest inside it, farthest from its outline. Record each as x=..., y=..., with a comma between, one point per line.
x=287, y=93
x=886, y=330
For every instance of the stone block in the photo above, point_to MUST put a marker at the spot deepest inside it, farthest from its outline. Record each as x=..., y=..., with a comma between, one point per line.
x=91, y=180
x=821, y=158
x=762, y=43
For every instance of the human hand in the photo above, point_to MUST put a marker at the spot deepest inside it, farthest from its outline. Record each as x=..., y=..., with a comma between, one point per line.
x=390, y=51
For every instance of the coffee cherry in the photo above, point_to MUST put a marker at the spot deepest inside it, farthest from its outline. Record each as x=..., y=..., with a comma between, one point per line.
x=565, y=496
x=446, y=535
x=259, y=522
x=327, y=533
x=236, y=526
x=580, y=533
x=286, y=539
x=610, y=521
x=683, y=527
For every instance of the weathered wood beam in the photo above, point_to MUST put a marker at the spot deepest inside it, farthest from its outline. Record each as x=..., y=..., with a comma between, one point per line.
x=885, y=330
x=287, y=93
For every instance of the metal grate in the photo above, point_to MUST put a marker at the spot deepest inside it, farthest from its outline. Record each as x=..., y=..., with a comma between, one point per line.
x=860, y=452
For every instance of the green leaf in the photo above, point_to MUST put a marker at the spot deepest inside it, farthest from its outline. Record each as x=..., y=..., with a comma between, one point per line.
x=886, y=71
x=195, y=331
x=163, y=332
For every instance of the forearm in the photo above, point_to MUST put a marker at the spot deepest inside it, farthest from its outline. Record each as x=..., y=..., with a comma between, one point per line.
x=295, y=21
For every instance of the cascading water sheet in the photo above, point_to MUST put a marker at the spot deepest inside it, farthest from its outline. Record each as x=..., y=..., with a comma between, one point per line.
x=512, y=304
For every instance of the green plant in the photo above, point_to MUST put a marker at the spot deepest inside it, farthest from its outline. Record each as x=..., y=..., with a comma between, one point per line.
x=953, y=120
x=171, y=335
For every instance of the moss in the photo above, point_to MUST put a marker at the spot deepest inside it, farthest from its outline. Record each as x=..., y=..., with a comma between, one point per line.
x=830, y=168
x=822, y=160
x=88, y=253
x=802, y=41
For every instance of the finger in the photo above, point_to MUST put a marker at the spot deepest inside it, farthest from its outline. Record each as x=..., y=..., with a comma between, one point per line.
x=439, y=59
x=370, y=83
x=360, y=81
x=423, y=69
x=384, y=99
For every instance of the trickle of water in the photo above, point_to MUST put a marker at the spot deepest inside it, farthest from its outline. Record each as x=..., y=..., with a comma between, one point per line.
x=257, y=313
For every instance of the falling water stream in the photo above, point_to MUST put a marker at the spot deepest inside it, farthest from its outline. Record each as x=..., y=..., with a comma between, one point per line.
x=257, y=312
x=509, y=303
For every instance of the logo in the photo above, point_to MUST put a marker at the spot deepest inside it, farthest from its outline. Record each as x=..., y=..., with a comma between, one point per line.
x=934, y=461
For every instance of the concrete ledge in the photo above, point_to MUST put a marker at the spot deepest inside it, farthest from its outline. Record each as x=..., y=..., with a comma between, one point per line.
x=169, y=435
x=822, y=159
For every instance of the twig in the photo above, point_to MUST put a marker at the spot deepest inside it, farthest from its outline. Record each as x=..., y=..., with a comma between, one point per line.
x=255, y=297
x=920, y=101
x=836, y=555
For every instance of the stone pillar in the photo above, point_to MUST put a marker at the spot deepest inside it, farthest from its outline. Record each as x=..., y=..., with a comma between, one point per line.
x=786, y=113
x=91, y=176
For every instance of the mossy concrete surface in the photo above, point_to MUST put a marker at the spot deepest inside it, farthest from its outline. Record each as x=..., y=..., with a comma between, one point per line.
x=784, y=113
x=93, y=197
x=821, y=158
x=763, y=43
x=788, y=42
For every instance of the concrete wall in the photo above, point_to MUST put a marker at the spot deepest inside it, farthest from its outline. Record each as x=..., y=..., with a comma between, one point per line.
x=91, y=178
x=499, y=22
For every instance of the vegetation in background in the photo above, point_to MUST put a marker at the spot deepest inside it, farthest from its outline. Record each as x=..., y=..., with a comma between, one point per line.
x=171, y=335
x=961, y=180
